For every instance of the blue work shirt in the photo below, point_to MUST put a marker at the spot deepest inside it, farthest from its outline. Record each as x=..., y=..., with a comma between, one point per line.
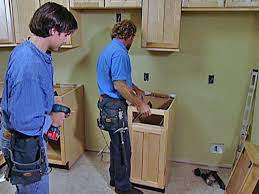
x=113, y=65
x=28, y=94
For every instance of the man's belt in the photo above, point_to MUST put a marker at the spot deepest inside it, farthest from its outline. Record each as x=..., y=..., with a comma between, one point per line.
x=8, y=133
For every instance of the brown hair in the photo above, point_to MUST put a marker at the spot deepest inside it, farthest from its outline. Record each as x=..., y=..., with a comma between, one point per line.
x=123, y=30
x=52, y=15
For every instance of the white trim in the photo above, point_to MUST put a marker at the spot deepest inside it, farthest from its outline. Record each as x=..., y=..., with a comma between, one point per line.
x=209, y=165
x=183, y=161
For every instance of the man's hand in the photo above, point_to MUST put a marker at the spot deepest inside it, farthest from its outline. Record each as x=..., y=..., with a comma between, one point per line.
x=57, y=118
x=144, y=109
x=131, y=96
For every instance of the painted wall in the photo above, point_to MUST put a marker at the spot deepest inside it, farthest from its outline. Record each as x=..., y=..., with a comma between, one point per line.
x=223, y=44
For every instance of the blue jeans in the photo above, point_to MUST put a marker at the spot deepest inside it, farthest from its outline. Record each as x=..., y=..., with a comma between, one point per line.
x=109, y=116
x=40, y=187
x=119, y=172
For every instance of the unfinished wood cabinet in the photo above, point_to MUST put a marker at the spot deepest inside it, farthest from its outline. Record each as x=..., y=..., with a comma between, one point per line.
x=86, y=4
x=242, y=3
x=161, y=25
x=123, y=3
x=203, y=4
x=151, y=140
x=74, y=39
x=245, y=174
x=6, y=22
x=70, y=147
x=23, y=12
x=65, y=3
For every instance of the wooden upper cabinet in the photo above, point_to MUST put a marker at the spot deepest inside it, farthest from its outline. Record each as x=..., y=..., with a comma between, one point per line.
x=23, y=12
x=93, y=4
x=242, y=3
x=74, y=39
x=86, y=4
x=123, y=3
x=6, y=22
x=161, y=24
x=202, y=3
x=65, y=3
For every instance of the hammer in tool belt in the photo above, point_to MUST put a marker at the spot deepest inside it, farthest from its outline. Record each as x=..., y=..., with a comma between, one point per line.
x=122, y=131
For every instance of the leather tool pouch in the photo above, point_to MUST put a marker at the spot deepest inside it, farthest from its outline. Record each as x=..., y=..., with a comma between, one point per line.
x=26, y=159
x=109, y=114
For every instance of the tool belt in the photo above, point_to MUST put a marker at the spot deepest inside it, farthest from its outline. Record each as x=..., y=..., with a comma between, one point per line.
x=109, y=113
x=25, y=157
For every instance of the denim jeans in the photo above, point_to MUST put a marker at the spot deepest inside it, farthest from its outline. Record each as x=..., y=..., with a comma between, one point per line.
x=109, y=116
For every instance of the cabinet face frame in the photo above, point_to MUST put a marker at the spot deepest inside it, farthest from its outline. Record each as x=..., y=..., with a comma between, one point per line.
x=65, y=3
x=245, y=173
x=239, y=173
x=86, y=4
x=123, y=3
x=203, y=4
x=240, y=4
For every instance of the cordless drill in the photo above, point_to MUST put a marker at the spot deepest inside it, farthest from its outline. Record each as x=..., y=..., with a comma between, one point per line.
x=210, y=177
x=53, y=132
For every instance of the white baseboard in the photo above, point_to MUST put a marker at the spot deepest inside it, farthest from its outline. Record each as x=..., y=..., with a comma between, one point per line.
x=185, y=161
x=213, y=166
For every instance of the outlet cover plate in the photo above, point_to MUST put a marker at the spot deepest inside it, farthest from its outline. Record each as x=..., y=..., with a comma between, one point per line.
x=217, y=148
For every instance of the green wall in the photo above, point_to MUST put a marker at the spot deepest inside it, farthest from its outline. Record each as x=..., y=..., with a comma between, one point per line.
x=225, y=44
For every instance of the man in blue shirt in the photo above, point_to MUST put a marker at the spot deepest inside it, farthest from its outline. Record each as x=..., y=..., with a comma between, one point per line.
x=115, y=87
x=28, y=96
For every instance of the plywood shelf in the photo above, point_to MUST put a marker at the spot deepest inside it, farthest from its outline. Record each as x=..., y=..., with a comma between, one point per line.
x=54, y=150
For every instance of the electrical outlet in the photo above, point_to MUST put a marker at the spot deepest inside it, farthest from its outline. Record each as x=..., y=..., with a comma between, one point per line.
x=146, y=77
x=118, y=17
x=217, y=148
x=211, y=79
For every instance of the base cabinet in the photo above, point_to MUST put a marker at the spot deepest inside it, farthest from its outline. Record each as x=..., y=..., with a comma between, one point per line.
x=151, y=141
x=71, y=144
x=245, y=174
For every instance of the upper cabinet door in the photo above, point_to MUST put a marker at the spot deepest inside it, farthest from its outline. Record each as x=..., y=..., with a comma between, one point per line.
x=6, y=22
x=161, y=24
x=23, y=12
x=123, y=3
x=65, y=3
x=86, y=4
x=242, y=3
x=202, y=3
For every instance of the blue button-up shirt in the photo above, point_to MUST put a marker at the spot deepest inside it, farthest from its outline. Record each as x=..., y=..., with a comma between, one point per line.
x=28, y=94
x=113, y=65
